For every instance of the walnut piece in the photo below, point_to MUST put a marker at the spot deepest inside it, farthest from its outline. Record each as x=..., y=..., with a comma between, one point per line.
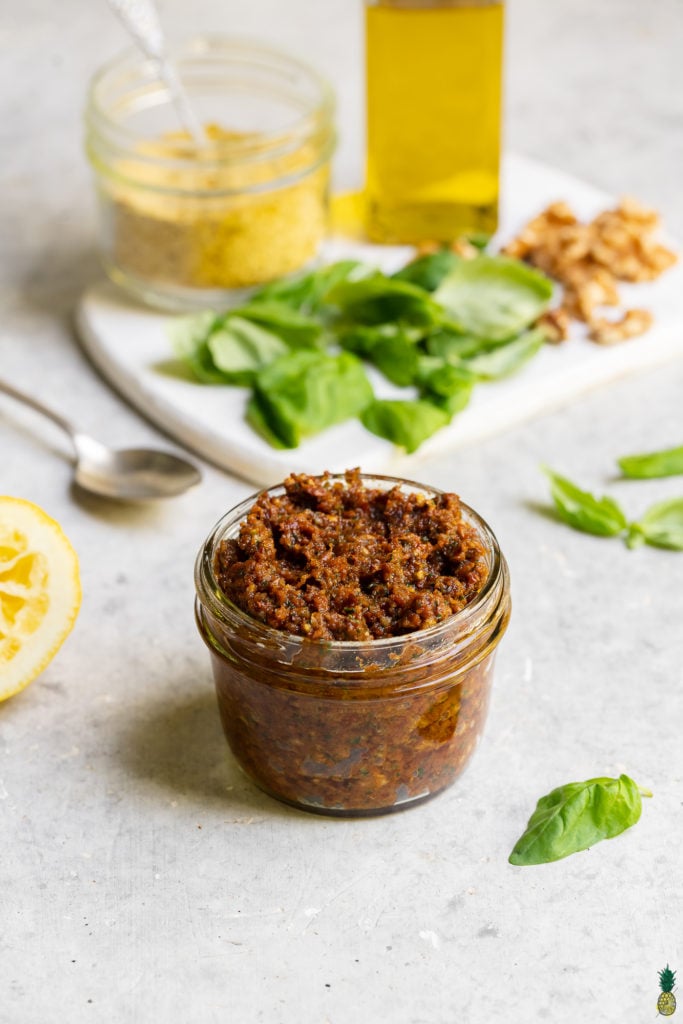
x=632, y=323
x=555, y=325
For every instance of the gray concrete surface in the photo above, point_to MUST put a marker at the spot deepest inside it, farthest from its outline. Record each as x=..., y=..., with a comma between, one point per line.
x=141, y=878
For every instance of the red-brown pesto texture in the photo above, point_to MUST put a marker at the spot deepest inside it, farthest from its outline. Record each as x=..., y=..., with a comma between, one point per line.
x=353, y=755
x=338, y=560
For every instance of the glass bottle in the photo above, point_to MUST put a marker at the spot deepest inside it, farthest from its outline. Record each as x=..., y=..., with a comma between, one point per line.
x=434, y=89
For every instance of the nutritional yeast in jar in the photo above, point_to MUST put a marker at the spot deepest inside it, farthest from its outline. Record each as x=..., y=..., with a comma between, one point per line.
x=434, y=70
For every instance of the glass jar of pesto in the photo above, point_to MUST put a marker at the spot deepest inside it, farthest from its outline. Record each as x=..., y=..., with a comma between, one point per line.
x=358, y=726
x=185, y=226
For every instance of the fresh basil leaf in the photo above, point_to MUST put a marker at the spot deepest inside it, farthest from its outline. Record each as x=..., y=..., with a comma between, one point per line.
x=240, y=348
x=306, y=292
x=189, y=336
x=201, y=363
x=449, y=389
x=405, y=423
x=443, y=378
x=378, y=299
x=635, y=538
x=398, y=358
x=504, y=360
x=453, y=347
x=656, y=464
x=479, y=239
x=364, y=340
x=661, y=526
x=452, y=403
x=583, y=511
x=573, y=817
x=258, y=421
x=294, y=328
x=445, y=386
x=306, y=391
x=428, y=271
x=494, y=297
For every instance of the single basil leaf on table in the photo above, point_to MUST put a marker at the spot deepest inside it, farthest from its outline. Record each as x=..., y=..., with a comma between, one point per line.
x=504, y=360
x=661, y=526
x=306, y=391
x=377, y=299
x=296, y=329
x=582, y=510
x=240, y=348
x=575, y=816
x=655, y=464
x=494, y=297
x=405, y=423
x=428, y=271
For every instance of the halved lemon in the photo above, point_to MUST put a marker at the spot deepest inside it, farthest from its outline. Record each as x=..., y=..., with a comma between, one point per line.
x=40, y=592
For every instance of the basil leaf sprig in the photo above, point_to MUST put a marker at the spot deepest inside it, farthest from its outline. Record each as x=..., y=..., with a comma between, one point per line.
x=655, y=464
x=582, y=510
x=660, y=527
x=576, y=816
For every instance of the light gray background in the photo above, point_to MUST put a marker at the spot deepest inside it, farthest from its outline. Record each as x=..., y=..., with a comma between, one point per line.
x=141, y=878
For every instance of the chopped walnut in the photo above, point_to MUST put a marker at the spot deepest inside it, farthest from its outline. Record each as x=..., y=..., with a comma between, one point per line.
x=555, y=325
x=589, y=260
x=610, y=332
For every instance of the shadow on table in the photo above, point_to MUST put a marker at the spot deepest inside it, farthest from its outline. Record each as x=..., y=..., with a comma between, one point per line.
x=179, y=745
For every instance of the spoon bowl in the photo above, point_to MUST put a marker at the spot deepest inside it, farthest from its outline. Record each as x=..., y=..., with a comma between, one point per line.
x=125, y=474
x=133, y=474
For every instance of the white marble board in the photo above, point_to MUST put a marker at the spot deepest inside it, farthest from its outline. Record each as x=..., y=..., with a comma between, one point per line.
x=127, y=342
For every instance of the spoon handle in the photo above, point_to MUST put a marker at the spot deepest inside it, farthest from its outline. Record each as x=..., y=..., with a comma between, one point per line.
x=21, y=396
x=141, y=18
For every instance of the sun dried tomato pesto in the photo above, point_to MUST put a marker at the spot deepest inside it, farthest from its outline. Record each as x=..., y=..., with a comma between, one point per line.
x=343, y=561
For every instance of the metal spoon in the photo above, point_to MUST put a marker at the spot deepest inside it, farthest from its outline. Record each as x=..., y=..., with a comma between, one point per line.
x=141, y=19
x=127, y=474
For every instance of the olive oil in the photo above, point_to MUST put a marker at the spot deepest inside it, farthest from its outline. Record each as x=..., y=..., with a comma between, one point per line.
x=434, y=70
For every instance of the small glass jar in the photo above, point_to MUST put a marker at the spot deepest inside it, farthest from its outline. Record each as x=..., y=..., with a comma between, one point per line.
x=347, y=727
x=186, y=227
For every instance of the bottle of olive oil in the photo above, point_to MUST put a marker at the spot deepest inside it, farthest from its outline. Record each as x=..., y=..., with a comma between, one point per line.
x=434, y=70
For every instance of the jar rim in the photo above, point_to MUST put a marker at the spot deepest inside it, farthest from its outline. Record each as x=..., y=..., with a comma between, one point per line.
x=210, y=593
x=317, y=114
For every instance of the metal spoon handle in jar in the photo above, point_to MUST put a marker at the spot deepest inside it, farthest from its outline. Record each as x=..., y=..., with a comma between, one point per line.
x=141, y=18
x=33, y=403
